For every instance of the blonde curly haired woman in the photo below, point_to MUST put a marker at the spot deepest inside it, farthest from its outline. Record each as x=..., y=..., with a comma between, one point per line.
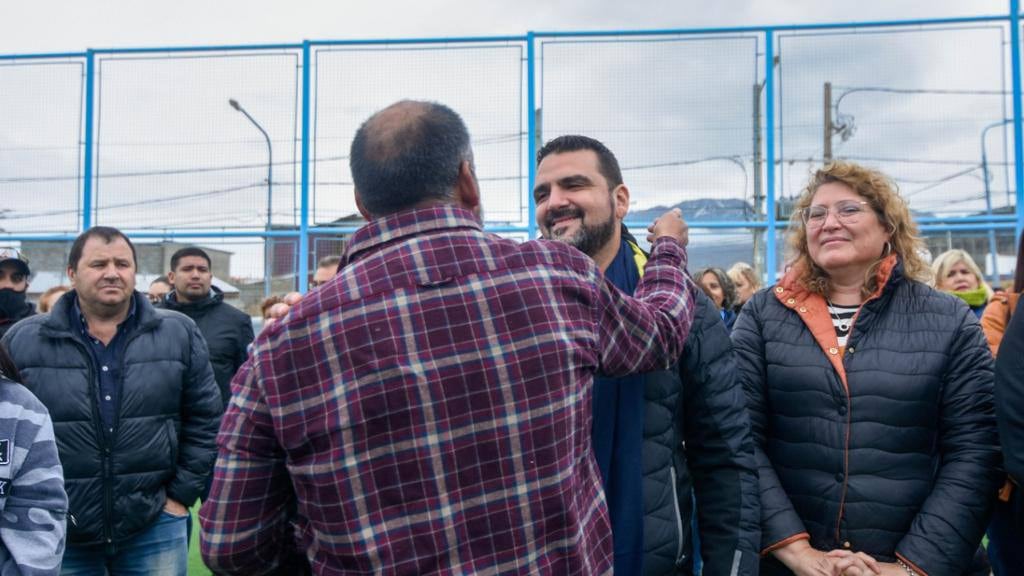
x=870, y=395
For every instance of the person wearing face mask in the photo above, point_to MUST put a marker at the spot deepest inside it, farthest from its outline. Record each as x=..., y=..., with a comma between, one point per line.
x=14, y=273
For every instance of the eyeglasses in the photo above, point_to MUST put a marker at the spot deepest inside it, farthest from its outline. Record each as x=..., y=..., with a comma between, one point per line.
x=847, y=212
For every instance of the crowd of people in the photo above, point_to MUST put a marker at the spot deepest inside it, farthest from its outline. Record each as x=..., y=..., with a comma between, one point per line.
x=445, y=400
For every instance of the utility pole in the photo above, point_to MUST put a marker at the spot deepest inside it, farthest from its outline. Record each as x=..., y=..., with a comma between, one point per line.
x=538, y=116
x=758, y=186
x=828, y=123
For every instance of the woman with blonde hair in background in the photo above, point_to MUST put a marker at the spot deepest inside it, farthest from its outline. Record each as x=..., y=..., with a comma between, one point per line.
x=746, y=280
x=955, y=272
x=870, y=396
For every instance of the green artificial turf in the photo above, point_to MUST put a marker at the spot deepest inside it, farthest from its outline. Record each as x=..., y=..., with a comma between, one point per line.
x=195, y=561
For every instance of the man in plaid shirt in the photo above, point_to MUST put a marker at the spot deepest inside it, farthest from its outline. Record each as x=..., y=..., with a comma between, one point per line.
x=428, y=409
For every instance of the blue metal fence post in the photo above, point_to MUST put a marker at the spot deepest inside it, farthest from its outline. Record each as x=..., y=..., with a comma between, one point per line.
x=87, y=140
x=1018, y=132
x=304, y=194
x=769, y=127
x=531, y=135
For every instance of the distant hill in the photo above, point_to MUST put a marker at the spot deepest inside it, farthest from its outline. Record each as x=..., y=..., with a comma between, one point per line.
x=700, y=209
x=706, y=209
x=730, y=209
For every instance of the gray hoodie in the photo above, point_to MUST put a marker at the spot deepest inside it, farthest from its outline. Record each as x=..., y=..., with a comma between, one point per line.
x=33, y=504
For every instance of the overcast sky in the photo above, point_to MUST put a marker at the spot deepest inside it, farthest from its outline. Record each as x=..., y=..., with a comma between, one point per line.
x=74, y=25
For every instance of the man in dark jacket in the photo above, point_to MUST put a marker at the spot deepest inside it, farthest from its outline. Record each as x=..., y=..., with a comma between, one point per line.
x=135, y=411
x=226, y=329
x=14, y=273
x=660, y=436
x=1007, y=525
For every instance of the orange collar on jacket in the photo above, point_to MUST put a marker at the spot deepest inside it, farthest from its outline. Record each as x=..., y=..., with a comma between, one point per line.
x=813, y=311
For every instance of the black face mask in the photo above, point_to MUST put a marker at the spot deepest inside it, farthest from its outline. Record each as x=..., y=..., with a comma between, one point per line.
x=12, y=303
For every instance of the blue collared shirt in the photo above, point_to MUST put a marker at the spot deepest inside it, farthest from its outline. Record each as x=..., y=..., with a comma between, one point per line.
x=107, y=360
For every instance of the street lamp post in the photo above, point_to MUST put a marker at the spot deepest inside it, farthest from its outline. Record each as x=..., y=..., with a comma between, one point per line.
x=267, y=260
x=759, y=256
x=992, y=246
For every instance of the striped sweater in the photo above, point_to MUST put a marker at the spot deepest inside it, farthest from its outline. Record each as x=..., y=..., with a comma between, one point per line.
x=33, y=504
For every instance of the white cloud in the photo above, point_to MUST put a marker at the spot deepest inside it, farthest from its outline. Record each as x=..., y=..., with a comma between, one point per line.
x=73, y=25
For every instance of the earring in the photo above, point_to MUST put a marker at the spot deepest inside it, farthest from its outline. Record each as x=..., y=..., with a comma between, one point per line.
x=888, y=249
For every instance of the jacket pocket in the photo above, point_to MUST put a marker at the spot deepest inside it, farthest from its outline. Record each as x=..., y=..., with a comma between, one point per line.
x=172, y=440
x=680, y=545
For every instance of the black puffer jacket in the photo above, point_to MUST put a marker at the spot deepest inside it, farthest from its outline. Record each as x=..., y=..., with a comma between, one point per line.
x=697, y=436
x=901, y=458
x=163, y=445
x=226, y=329
x=696, y=431
x=1010, y=395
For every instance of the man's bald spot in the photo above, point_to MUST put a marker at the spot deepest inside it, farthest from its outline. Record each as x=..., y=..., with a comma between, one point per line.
x=406, y=154
x=391, y=132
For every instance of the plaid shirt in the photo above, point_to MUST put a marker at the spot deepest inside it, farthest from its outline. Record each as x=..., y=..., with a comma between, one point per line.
x=428, y=409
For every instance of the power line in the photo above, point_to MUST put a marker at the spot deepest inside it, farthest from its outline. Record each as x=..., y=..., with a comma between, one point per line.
x=181, y=171
x=148, y=201
x=169, y=172
x=896, y=160
x=192, y=196
x=942, y=181
x=497, y=139
x=492, y=139
x=974, y=198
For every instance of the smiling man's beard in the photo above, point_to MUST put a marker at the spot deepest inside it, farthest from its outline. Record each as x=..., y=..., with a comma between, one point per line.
x=589, y=238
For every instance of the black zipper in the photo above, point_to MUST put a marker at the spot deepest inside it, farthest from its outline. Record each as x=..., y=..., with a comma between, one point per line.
x=680, y=542
x=101, y=438
x=108, y=448
x=851, y=349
